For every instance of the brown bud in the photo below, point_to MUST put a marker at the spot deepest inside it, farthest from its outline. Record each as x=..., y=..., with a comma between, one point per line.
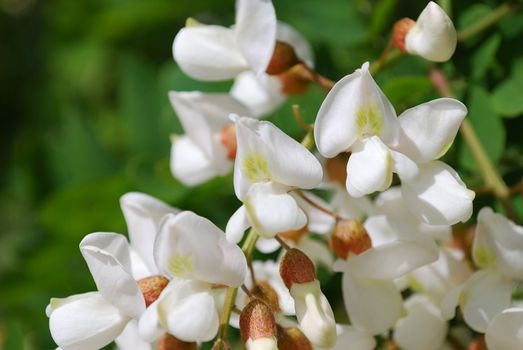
x=265, y=292
x=296, y=267
x=228, y=139
x=283, y=58
x=151, y=288
x=257, y=321
x=478, y=344
x=399, y=32
x=294, y=235
x=169, y=342
x=336, y=168
x=295, y=81
x=349, y=236
x=292, y=339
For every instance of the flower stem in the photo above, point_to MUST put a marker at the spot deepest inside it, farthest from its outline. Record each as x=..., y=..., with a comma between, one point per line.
x=228, y=305
x=485, y=22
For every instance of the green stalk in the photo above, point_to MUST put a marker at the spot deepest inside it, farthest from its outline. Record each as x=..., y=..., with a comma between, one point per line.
x=485, y=22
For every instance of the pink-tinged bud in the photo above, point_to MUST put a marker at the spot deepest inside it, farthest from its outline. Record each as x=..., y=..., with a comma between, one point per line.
x=151, y=288
x=283, y=58
x=294, y=235
x=296, y=267
x=478, y=344
x=295, y=81
x=336, y=168
x=169, y=342
x=228, y=139
x=349, y=236
x=399, y=32
x=265, y=292
x=258, y=326
x=292, y=339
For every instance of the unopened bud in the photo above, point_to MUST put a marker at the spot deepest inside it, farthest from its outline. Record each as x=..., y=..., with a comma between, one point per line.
x=294, y=235
x=314, y=314
x=336, y=168
x=169, y=342
x=292, y=339
x=399, y=32
x=295, y=81
x=265, y=292
x=349, y=236
x=258, y=326
x=151, y=288
x=283, y=58
x=296, y=268
x=228, y=139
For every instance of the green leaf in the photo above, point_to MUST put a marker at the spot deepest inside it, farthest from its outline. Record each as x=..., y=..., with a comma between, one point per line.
x=485, y=56
x=488, y=126
x=381, y=16
x=506, y=97
x=406, y=91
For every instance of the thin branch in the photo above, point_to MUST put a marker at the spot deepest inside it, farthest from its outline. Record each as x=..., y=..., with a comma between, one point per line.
x=282, y=242
x=317, y=206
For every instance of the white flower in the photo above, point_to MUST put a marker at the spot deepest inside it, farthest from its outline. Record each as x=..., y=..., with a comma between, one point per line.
x=195, y=254
x=268, y=165
x=433, y=36
x=505, y=331
x=353, y=338
x=93, y=320
x=371, y=298
x=497, y=250
x=212, y=52
x=201, y=153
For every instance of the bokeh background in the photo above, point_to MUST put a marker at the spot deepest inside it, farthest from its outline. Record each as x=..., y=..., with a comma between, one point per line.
x=85, y=118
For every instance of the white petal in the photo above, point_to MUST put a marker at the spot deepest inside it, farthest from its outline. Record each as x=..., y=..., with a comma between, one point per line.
x=272, y=210
x=433, y=37
x=149, y=327
x=190, y=246
x=143, y=214
x=84, y=321
x=372, y=305
x=189, y=164
x=450, y=302
x=505, y=332
x=405, y=167
x=438, y=196
x=349, y=207
x=498, y=243
x=354, y=108
x=486, y=294
x=317, y=251
x=266, y=153
x=255, y=31
x=237, y=225
x=107, y=255
x=354, y=339
x=260, y=93
x=269, y=271
x=267, y=246
x=317, y=221
x=428, y=130
x=302, y=48
x=188, y=311
x=369, y=168
x=422, y=328
x=130, y=339
x=208, y=52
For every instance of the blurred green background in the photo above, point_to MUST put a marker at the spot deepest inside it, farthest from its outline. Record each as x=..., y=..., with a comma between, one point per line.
x=85, y=118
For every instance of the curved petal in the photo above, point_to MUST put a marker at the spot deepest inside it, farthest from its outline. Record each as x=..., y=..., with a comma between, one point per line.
x=267, y=246
x=354, y=108
x=353, y=338
x=190, y=165
x=369, y=168
x=84, y=321
x=433, y=37
x=317, y=251
x=450, y=302
x=422, y=328
x=405, y=167
x=130, y=339
x=272, y=210
x=237, y=225
x=188, y=311
x=261, y=94
x=149, y=327
x=349, y=207
x=143, y=214
x=208, y=52
x=438, y=196
x=486, y=294
x=498, y=243
x=107, y=255
x=372, y=305
x=428, y=130
x=317, y=220
x=255, y=31
x=505, y=332
x=190, y=246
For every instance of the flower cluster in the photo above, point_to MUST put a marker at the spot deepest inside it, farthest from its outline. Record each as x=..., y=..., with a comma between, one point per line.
x=179, y=279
